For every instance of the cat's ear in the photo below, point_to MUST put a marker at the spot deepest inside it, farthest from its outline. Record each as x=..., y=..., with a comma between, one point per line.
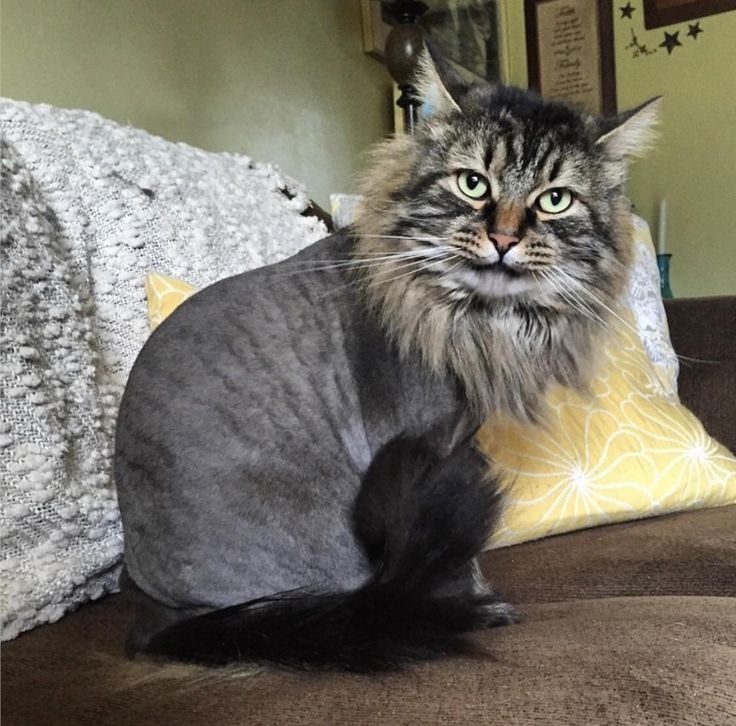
x=631, y=133
x=437, y=83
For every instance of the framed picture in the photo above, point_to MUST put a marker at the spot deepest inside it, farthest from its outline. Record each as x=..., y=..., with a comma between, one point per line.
x=570, y=52
x=666, y=12
x=468, y=34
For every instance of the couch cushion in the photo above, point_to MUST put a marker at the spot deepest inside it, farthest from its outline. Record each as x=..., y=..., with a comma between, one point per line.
x=645, y=632
x=679, y=554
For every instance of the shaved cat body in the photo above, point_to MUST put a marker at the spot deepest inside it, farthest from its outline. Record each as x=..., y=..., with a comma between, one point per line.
x=248, y=422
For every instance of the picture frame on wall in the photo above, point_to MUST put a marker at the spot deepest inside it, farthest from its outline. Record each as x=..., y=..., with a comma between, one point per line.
x=570, y=52
x=658, y=13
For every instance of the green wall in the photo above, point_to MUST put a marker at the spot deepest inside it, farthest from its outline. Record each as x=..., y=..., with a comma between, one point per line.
x=694, y=162
x=279, y=80
x=286, y=80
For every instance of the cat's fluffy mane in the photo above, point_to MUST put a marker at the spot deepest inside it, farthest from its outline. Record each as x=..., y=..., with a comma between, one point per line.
x=505, y=350
x=505, y=355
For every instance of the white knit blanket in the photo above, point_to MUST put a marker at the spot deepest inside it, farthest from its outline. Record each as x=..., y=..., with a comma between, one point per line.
x=88, y=207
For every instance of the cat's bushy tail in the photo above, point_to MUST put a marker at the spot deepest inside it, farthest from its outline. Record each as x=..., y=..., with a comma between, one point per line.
x=422, y=522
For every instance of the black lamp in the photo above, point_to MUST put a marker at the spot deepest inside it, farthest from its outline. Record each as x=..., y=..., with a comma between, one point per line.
x=403, y=46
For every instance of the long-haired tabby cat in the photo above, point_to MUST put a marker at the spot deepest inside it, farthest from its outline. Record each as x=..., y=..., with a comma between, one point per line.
x=295, y=461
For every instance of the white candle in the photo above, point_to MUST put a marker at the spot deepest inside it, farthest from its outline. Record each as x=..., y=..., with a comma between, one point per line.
x=662, y=229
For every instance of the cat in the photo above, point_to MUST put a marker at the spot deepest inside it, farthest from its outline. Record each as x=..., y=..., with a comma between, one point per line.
x=295, y=462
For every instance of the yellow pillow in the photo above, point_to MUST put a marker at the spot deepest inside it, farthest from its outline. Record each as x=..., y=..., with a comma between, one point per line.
x=625, y=452
x=164, y=295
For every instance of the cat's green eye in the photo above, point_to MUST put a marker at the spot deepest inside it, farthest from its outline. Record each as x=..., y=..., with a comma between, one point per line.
x=472, y=184
x=555, y=201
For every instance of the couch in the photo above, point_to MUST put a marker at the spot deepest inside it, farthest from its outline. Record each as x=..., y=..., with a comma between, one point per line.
x=632, y=623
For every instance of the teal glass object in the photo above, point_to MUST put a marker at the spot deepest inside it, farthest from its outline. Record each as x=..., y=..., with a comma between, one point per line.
x=663, y=263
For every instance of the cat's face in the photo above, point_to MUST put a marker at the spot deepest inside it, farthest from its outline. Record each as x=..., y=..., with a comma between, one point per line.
x=518, y=203
x=507, y=196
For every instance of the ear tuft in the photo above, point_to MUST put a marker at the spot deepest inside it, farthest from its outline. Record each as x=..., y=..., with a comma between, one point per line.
x=437, y=83
x=631, y=133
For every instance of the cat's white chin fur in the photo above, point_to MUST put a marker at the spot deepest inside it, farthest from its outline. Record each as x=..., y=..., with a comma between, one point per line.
x=493, y=283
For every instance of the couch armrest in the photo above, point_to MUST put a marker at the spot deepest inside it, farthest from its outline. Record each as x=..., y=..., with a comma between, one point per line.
x=703, y=332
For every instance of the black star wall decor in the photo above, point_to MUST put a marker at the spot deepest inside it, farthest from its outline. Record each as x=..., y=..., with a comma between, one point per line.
x=670, y=41
x=695, y=30
x=627, y=11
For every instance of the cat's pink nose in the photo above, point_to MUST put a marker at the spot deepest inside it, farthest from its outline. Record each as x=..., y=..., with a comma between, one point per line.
x=503, y=242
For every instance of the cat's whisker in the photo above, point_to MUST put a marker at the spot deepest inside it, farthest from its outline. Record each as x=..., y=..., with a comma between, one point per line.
x=579, y=305
x=627, y=325
x=358, y=262
x=456, y=265
x=419, y=250
x=377, y=281
x=410, y=252
x=417, y=238
x=610, y=310
x=547, y=275
x=372, y=254
x=401, y=266
x=344, y=264
x=573, y=297
x=309, y=265
x=561, y=278
x=690, y=359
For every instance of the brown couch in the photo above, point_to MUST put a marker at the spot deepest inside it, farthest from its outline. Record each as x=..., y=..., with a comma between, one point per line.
x=627, y=624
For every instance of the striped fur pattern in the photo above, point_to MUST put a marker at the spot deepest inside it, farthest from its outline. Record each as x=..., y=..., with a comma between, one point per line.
x=505, y=294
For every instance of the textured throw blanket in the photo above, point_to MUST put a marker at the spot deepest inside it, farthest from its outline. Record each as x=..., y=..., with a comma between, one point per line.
x=88, y=208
